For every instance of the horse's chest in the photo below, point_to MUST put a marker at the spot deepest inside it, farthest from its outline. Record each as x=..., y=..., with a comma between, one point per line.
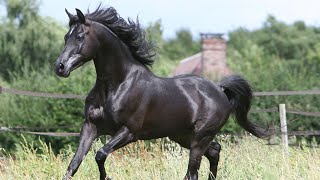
x=116, y=106
x=119, y=111
x=107, y=111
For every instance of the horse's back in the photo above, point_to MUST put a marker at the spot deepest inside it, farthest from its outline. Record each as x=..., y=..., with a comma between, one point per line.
x=185, y=102
x=202, y=86
x=209, y=94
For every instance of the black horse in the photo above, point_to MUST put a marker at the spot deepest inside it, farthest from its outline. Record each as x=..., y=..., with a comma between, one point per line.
x=130, y=103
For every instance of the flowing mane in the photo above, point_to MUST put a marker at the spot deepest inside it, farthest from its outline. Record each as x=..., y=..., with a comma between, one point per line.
x=128, y=32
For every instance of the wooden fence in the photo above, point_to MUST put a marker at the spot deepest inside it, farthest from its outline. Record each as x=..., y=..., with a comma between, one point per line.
x=281, y=109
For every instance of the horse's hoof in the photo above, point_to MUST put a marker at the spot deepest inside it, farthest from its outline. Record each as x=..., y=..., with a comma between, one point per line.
x=67, y=176
x=108, y=178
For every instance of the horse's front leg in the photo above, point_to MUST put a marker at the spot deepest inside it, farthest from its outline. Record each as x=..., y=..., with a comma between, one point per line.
x=87, y=135
x=120, y=139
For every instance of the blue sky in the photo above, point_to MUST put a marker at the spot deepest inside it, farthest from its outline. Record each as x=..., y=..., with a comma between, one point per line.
x=197, y=15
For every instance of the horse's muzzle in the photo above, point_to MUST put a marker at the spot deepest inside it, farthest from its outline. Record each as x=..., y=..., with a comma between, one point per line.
x=60, y=70
x=64, y=67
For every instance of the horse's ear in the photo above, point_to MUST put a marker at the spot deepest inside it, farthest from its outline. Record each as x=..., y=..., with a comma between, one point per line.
x=71, y=17
x=81, y=17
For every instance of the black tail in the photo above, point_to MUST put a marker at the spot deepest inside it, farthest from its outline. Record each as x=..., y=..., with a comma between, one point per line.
x=239, y=94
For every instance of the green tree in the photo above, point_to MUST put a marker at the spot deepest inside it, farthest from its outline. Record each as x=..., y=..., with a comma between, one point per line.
x=170, y=51
x=182, y=46
x=279, y=57
x=29, y=45
x=27, y=40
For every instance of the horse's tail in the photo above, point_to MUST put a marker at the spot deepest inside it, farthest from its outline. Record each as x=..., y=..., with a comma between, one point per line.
x=239, y=94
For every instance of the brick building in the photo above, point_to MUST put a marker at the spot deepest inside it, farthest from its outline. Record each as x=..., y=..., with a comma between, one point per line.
x=211, y=62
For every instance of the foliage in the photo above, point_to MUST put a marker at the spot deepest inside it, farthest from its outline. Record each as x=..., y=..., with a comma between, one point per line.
x=163, y=64
x=45, y=114
x=27, y=40
x=182, y=46
x=29, y=47
x=279, y=57
x=167, y=161
x=170, y=51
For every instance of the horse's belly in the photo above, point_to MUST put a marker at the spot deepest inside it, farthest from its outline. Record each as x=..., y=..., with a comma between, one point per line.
x=165, y=125
x=161, y=132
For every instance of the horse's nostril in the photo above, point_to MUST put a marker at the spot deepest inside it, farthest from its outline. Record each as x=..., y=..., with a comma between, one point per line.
x=61, y=66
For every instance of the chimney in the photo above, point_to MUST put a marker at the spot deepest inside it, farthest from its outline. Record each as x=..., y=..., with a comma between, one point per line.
x=213, y=57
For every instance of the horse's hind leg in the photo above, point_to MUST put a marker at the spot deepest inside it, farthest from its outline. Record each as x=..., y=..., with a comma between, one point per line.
x=212, y=154
x=120, y=139
x=198, y=148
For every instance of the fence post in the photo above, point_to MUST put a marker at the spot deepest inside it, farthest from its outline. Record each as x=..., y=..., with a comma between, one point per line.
x=284, y=130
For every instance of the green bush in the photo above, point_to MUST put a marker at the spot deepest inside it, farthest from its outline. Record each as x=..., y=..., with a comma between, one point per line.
x=46, y=113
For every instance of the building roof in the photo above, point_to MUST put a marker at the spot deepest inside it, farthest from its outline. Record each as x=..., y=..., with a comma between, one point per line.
x=192, y=65
x=189, y=65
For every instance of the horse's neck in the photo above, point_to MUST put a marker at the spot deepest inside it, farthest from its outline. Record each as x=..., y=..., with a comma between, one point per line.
x=114, y=62
x=114, y=67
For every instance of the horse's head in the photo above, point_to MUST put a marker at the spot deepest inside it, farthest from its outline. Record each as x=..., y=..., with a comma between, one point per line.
x=81, y=45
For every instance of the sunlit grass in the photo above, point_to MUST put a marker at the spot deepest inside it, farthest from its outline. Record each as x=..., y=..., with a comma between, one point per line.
x=249, y=158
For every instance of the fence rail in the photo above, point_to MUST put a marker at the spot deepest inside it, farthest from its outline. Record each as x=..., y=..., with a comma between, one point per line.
x=75, y=134
x=290, y=111
x=26, y=130
x=55, y=134
x=40, y=94
x=76, y=96
x=315, y=114
x=287, y=93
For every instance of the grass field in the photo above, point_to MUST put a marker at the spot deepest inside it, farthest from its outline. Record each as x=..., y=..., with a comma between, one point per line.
x=249, y=158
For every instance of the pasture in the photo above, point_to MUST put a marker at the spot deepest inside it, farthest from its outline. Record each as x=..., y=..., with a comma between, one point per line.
x=249, y=158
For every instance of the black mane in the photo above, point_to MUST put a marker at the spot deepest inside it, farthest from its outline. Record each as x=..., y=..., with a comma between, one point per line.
x=129, y=32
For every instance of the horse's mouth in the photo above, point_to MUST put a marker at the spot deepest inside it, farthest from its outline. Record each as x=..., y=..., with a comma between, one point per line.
x=78, y=64
x=65, y=74
x=71, y=64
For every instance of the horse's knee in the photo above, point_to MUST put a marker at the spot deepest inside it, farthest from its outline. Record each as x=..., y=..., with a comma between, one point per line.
x=101, y=156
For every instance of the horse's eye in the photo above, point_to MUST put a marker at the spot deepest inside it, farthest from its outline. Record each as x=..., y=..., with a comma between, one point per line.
x=79, y=38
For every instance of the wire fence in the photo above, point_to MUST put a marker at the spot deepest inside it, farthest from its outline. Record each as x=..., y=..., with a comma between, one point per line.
x=40, y=94
x=75, y=134
x=54, y=134
x=287, y=93
x=76, y=96
x=30, y=130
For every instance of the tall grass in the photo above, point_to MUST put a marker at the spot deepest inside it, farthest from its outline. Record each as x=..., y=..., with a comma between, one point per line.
x=249, y=158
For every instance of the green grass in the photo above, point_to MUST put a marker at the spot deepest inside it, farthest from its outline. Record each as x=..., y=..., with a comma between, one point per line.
x=249, y=158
